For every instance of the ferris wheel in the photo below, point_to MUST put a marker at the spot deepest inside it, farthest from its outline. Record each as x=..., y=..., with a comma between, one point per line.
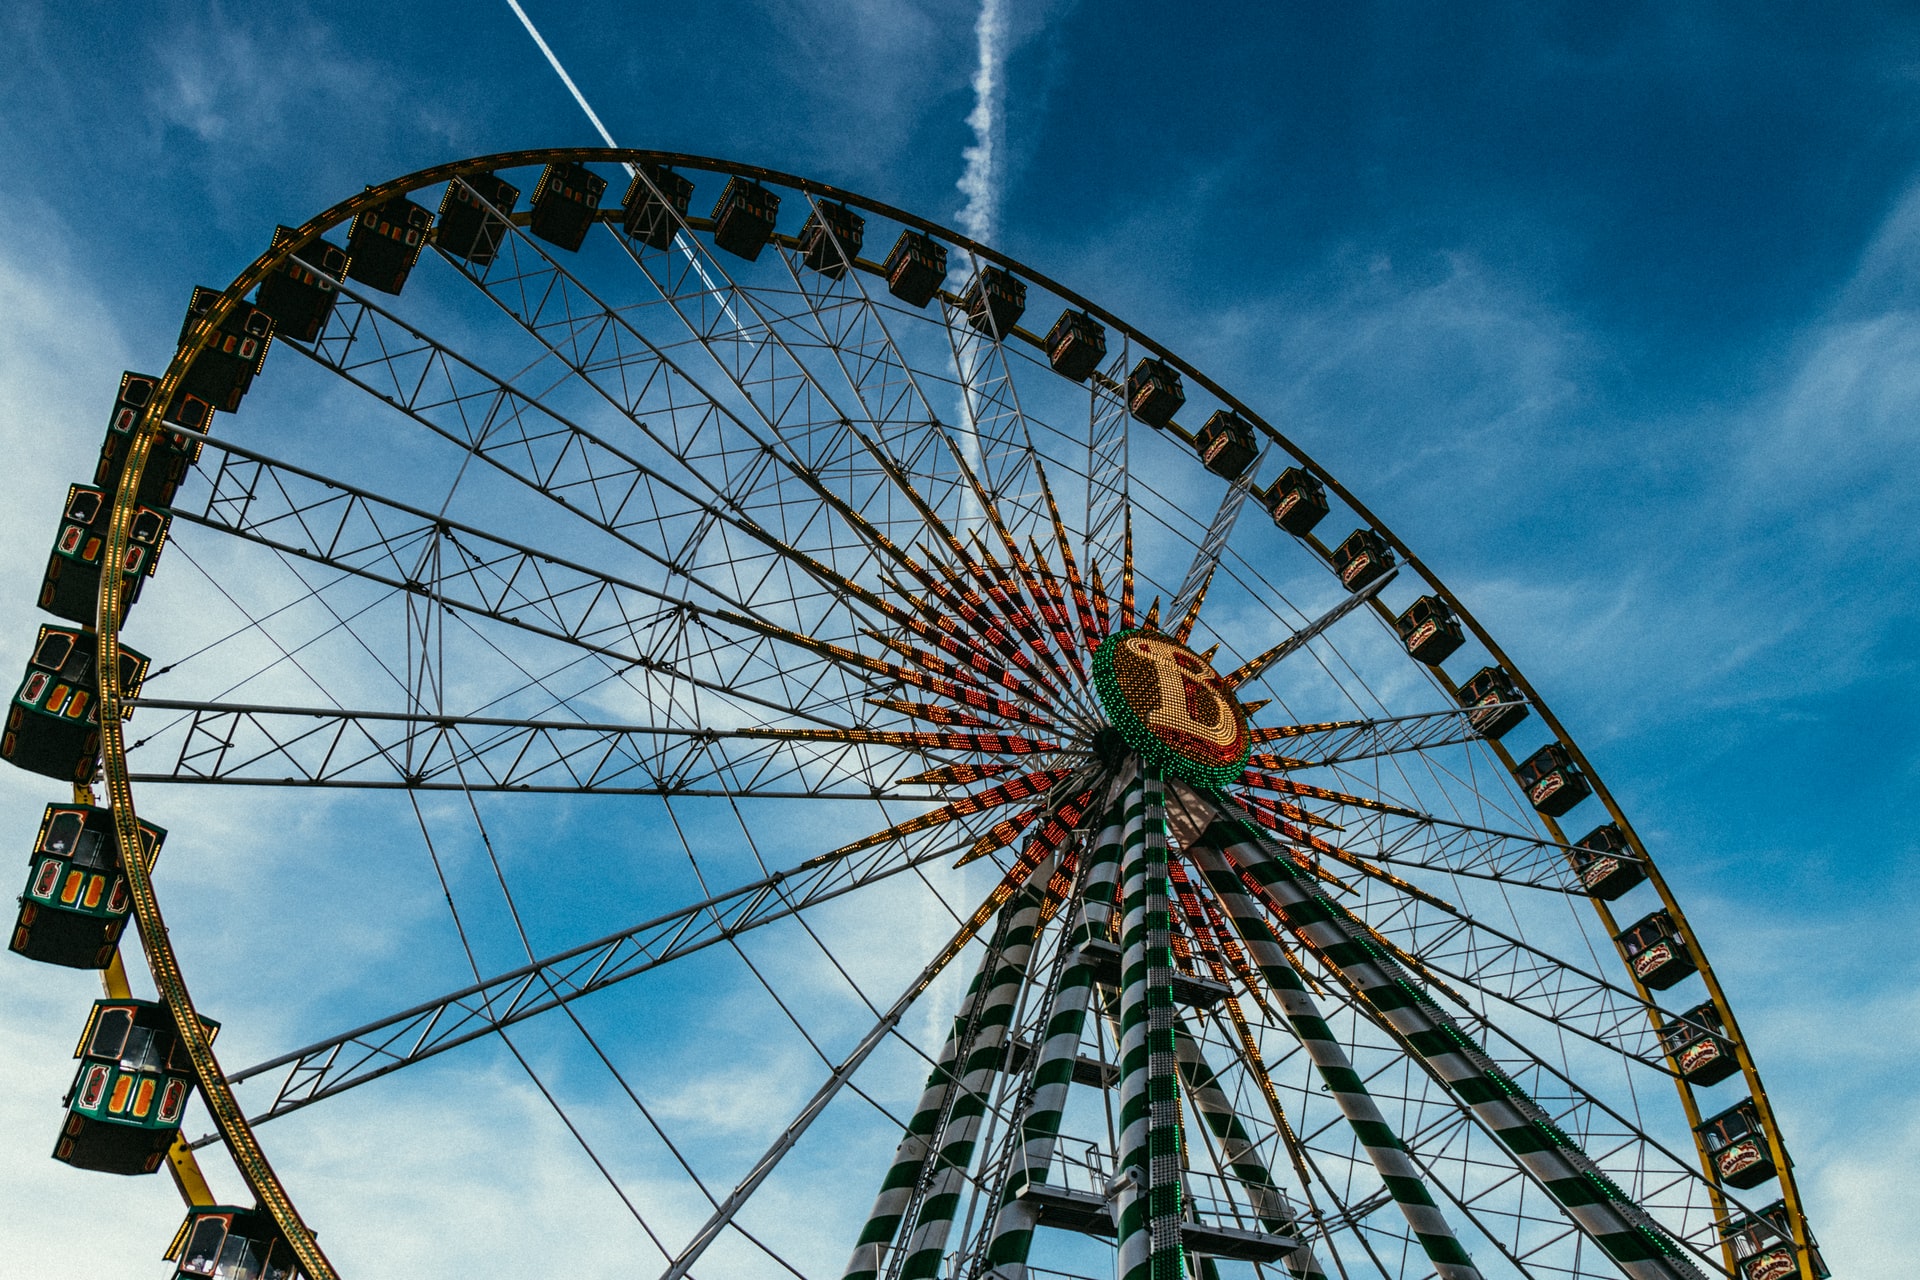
x=808, y=651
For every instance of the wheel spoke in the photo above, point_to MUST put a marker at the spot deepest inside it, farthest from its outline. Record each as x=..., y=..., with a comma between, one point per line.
x=351, y=1058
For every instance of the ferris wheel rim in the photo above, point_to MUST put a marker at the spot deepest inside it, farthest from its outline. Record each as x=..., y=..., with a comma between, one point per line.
x=111, y=614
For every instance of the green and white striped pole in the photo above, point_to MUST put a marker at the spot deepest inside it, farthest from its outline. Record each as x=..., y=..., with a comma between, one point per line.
x=1147, y=1210
x=1400, y=1176
x=1241, y=1154
x=1012, y=1238
x=1620, y=1227
x=985, y=998
x=987, y=1057
x=1209, y=930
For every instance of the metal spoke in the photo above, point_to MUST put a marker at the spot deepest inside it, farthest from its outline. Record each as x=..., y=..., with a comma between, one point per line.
x=379, y=540
x=247, y=744
x=365, y=1053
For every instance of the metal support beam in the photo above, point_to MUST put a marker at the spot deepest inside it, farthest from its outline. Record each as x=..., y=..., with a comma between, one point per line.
x=351, y=1058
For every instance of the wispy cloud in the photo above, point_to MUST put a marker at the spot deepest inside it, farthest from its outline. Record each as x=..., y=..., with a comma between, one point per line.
x=1838, y=1056
x=61, y=352
x=1842, y=426
x=242, y=89
x=234, y=90
x=866, y=69
x=57, y=1222
x=1864, y=1195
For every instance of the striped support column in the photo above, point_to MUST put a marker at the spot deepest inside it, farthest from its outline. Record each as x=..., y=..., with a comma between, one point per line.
x=1013, y=1225
x=910, y=1159
x=1094, y=923
x=984, y=1061
x=1398, y=1173
x=1147, y=1211
x=1217, y=1112
x=1620, y=1227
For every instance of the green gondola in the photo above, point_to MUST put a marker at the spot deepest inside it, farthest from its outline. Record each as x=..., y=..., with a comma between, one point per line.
x=53, y=726
x=224, y=370
x=172, y=454
x=124, y=1108
x=76, y=904
x=71, y=585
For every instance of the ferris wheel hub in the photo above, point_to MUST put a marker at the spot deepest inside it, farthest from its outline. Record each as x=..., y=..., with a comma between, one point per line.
x=1169, y=704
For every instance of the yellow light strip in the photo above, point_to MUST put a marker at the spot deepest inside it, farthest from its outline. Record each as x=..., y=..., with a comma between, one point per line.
x=238, y=1135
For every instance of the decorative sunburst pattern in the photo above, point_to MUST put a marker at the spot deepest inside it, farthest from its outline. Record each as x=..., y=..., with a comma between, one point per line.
x=1120, y=712
x=991, y=638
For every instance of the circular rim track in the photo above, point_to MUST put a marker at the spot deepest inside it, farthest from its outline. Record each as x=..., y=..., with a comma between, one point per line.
x=231, y=1121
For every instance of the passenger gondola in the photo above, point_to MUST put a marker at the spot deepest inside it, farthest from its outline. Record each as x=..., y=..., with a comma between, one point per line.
x=473, y=217
x=1552, y=781
x=1225, y=445
x=1361, y=558
x=1493, y=702
x=224, y=370
x=655, y=205
x=1656, y=951
x=76, y=904
x=53, y=726
x=1736, y=1146
x=1076, y=345
x=1154, y=393
x=70, y=586
x=226, y=1242
x=566, y=201
x=1296, y=501
x=1763, y=1247
x=172, y=454
x=915, y=268
x=1606, y=864
x=1429, y=630
x=743, y=217
x=994, y=301
x=831, y=237
x=125, y=1105
x=1698, y=1044
x=300, y=292
x=385, y=241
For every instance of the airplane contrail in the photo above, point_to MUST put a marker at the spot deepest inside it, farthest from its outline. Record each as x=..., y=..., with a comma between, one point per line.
x=981, y=182
x=593, y=118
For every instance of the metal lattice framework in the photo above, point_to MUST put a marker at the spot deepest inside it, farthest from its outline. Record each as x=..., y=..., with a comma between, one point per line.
x=729, y=517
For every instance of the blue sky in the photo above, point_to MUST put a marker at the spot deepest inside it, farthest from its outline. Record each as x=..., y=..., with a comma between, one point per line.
x=1614, y=317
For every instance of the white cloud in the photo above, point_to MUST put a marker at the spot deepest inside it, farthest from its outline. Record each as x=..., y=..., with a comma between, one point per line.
x=869, y=67
x=233, y=92
x=243, y=88
x=60, y=1222
x=877, y=70
x=1864, y=1196
x=475, y=1161
x=1838, y=1057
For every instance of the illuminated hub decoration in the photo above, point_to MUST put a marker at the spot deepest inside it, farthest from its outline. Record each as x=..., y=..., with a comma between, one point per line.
x=1172, y=707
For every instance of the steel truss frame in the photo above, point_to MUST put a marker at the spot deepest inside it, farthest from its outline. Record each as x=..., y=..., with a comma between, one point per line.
x=787, y=479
